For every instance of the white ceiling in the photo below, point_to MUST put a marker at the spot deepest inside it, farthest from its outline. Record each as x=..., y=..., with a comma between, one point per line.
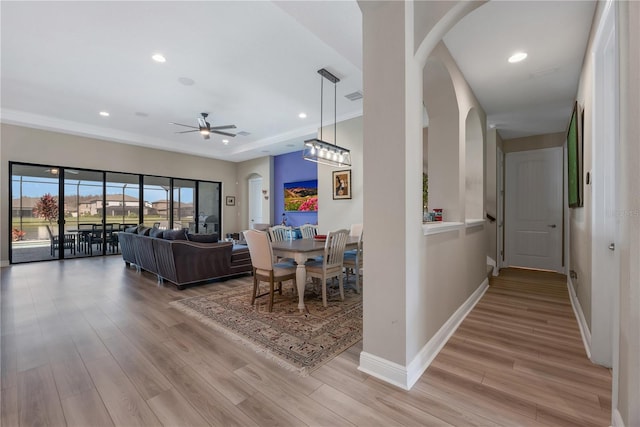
x=534, y=96
x=254, y=65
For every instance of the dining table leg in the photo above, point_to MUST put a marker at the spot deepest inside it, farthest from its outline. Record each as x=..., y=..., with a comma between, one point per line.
x=301, y=278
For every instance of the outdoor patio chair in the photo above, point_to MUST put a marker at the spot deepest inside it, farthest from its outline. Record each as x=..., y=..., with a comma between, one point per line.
x=68, y=242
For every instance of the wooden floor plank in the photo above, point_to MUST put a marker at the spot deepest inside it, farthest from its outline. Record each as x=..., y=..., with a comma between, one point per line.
x=173, y=410
x=122, y=400
x=86, y=409
x=39, y=403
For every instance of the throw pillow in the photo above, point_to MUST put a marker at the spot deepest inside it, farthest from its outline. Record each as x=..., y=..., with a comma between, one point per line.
x=156, y=232
x=144, y=230
x=175, y=235
x=203, y=238
x=133, y=230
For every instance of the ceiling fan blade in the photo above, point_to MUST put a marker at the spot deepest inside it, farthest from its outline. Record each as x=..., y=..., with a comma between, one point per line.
x=223, y=133
x=223, y=127
x=180, y=124
x=187, y=131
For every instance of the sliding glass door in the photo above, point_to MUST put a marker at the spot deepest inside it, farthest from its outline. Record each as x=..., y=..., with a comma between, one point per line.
x=34, y=213
x=209, y=207
x=84, y=211
x=63, y=212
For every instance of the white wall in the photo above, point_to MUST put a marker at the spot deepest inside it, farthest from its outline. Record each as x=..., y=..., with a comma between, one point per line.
x=336, y=214
x=627, y=374
x=28, y=145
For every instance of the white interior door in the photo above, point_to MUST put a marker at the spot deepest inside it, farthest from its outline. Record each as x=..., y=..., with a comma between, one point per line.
x=500, y=227
x=533, y=205
x=605, y=259
x=255, y=201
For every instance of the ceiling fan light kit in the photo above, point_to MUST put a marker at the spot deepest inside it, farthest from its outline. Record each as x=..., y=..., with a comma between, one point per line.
x=205, y=128
x=319, y=151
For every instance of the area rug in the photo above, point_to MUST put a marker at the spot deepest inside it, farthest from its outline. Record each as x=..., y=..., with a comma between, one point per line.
x=301, y=342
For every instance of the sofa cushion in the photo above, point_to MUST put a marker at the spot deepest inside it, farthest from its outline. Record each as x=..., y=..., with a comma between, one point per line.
x=203, y=238
x=175, y=235
x=156, y=232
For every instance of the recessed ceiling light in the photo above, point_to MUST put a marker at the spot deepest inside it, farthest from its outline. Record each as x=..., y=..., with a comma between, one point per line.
x=186, y=81
x=159, y=58
x=225, y=141
x=104, y=113
x=517, y=57
x=302, y=115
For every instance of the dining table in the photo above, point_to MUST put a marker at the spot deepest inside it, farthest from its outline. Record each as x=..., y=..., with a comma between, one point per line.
x=301, y=250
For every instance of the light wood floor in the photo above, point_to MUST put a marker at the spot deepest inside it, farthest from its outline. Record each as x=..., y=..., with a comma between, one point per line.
x=89, y=342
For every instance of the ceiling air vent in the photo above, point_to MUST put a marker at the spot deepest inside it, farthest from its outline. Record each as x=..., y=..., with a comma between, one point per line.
x=354, y=96
x=243, y=133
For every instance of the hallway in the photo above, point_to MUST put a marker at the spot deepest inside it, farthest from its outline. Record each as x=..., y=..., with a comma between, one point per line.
x=519, y=354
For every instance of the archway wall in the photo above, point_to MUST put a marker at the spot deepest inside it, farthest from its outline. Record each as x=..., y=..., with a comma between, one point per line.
x=417, y=282
x=261, y=167
x=452, y=264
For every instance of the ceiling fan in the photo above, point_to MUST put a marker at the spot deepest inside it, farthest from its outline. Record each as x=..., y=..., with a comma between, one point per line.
x=205, y=128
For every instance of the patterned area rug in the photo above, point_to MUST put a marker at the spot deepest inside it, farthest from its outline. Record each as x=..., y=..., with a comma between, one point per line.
x=298, y=341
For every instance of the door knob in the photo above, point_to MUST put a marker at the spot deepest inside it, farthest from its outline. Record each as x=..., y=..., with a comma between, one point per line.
x=612, y=246
x=552, y=225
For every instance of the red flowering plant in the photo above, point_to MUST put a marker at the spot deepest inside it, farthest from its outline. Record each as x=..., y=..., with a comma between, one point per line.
x=309, y=205
x=17, y=234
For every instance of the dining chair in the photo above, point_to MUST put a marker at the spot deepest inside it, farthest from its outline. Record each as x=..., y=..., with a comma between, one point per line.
x=280, y=233
x=308, y=231
x=331, y=264
x=353, y=261
x=264, y=269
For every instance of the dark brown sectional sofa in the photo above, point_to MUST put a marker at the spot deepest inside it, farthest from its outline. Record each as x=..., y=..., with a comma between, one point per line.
x=183, y=262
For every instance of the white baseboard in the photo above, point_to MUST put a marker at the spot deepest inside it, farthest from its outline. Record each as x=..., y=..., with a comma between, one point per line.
x=383, y=369
x=492, y=263
x=4, y=263
x=582, y=321
x=406, y=377
x=616, y=418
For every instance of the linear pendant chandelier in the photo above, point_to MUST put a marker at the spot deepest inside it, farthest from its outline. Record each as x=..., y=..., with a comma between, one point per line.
x=319, y=151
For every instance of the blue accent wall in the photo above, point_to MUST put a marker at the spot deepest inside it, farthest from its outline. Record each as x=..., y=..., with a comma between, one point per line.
x=289, y=168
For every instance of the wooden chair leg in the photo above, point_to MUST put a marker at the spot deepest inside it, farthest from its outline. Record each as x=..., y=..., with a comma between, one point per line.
x=255, y=289
x=341, y=287
x=324, y=291
x=271, y=284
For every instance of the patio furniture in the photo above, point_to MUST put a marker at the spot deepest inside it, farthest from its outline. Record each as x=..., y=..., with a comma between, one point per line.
x=68, y=242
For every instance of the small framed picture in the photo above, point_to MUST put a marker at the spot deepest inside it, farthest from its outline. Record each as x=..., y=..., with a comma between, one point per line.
x=342, y=184
x=230, y=200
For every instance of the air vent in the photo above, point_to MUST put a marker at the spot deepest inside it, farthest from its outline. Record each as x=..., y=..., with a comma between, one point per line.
x=354, y=96
x=243, y=133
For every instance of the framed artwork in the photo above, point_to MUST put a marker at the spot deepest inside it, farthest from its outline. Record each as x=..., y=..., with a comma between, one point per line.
x=301, y=196
x=230, y=200
x=574, y=158
x=342, y=184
